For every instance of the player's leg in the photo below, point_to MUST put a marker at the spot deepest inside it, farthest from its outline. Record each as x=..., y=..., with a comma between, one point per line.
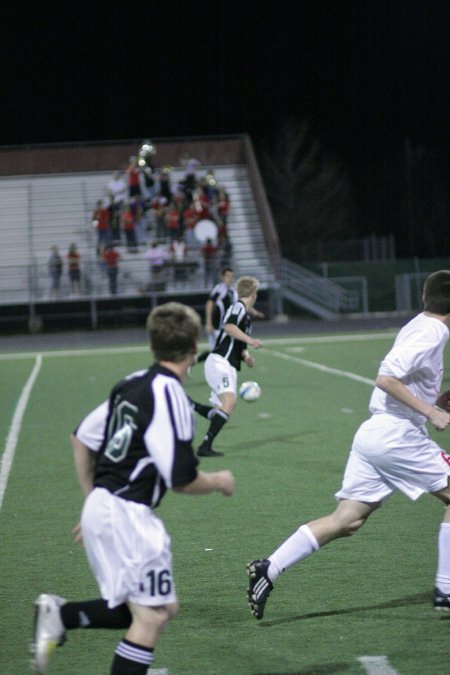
x=222, y=379
x=134, y=654
x=347, y=518
x=442, y=583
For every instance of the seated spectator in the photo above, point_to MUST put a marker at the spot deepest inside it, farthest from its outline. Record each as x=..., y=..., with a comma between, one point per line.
x=101, y=221
x=55, y=268
x=111, y=258
x=157, y=257
x=73, y=268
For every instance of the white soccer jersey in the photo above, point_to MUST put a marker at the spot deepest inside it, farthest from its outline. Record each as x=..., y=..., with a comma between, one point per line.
x=416, y=359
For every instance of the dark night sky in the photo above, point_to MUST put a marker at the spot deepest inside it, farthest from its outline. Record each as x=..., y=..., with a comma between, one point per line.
x=364, y=73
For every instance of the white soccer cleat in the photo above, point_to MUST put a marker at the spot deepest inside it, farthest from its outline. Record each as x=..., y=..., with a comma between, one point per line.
x=49, y=631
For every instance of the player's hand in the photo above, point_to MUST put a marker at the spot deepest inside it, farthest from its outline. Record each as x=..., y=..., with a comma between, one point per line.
x=249, y=360
x=255, y=343
x=226, y=482
x=439, y=419
x=208, y=328
x=78, y=538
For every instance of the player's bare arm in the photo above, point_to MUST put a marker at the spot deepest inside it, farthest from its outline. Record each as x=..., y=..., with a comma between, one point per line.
x=208, y=315
x=84, y=459
x=238, y=334
x=205, y=483
x=248, y=359
x=394, y=387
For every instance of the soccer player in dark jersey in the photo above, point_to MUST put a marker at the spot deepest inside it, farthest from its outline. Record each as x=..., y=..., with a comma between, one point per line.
x=128, y=452
x=221, y=297
x=222, y=364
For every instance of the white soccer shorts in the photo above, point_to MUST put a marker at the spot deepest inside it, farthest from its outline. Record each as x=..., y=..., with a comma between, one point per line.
x=128, y=550
x=390, y=454
x=221, y=377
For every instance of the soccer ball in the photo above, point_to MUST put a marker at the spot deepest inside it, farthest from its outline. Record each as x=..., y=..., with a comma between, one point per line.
x=250, y=391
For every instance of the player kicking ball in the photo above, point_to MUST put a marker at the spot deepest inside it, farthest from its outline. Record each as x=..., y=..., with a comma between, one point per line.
x=128, y=452
x=391, y=450
x=224, y=361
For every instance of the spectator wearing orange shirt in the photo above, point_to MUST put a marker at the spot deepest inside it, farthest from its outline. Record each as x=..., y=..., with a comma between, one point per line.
x=111, y=258
x=101, y=220
x=129, y=228
x=73, y=267
x=173, y=224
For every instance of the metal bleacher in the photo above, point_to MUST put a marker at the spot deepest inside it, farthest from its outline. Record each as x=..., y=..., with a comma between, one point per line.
x=39, y=211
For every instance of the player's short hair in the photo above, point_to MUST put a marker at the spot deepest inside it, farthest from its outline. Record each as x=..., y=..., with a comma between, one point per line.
x=246, y=286
x=224, y=270
x=174, y=330
x=436, y=293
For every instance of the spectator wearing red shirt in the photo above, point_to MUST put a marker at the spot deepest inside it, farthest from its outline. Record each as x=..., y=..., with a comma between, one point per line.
x=223, y=208
x=73, y=267
x=209, y=254
x=134, y=178
x=128, y=225
x=190, y=219
x=111, y=258
x=101, y=220
x=173, y=222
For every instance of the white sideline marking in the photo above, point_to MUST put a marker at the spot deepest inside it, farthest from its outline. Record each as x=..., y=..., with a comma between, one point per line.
x=322, y=339
x=377, y=665
x=325, y=369
x=16, y=424
x=158, y=671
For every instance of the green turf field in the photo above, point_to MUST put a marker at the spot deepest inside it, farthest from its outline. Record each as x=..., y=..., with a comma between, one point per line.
x=365, y=597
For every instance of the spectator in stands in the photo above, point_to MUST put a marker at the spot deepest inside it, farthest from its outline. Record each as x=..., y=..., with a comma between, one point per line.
x=117, y=191
x=173, y=222
x=157, y=257
x=223, y=207
x=158, y=208
x=225, y=251
x=140, y=220
x=55, y=269
x=74, y=269
x=190, y=219
x=101, y=221
x=134, y=178
x=129, y=228
x=209, y=255
x=111, y=258
x=164, y=187
x=191, y=164
x=177, y=249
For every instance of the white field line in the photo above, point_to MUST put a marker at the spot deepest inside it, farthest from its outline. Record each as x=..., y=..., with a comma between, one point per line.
x=320, y=366
x=377, y=665
x=321, y=339
x=16, y=424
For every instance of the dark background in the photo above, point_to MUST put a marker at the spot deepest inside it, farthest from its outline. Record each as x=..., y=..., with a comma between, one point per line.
x=370, y=77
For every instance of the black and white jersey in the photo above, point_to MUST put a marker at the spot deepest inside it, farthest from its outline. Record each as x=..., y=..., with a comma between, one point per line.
x=223, y=296
x=143, y=437
x=227, y=346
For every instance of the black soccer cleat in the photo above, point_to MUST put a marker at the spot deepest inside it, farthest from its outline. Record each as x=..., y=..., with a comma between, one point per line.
x=204, y=450
x=441, y=601
x=259, y=587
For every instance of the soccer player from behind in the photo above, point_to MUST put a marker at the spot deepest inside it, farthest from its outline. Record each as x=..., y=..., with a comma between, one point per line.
x=127, y=453
x=391, y=450
x=224, y=361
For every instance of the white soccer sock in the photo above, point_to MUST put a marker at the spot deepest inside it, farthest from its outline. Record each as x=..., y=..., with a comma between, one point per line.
x=299, y=546
x=443, y=568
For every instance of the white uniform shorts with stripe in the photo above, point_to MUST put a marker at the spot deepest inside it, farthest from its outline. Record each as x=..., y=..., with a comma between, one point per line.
x=221, y=377
x=390, y=454
x=128, y=550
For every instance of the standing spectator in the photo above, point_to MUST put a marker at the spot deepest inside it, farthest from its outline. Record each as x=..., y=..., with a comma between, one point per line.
x=111, y=258
x=177, y=248
x=223, y=208
x=129, y=228
x=134, y=178
x=116, y=188
x=73, y=267
x=142, y=441
x=190, y=219
x=225, y=251
x=209, y=255
x=173, y=221
x=55, y=269
x=159, y=209
x=101, y=221
x=164, y=188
